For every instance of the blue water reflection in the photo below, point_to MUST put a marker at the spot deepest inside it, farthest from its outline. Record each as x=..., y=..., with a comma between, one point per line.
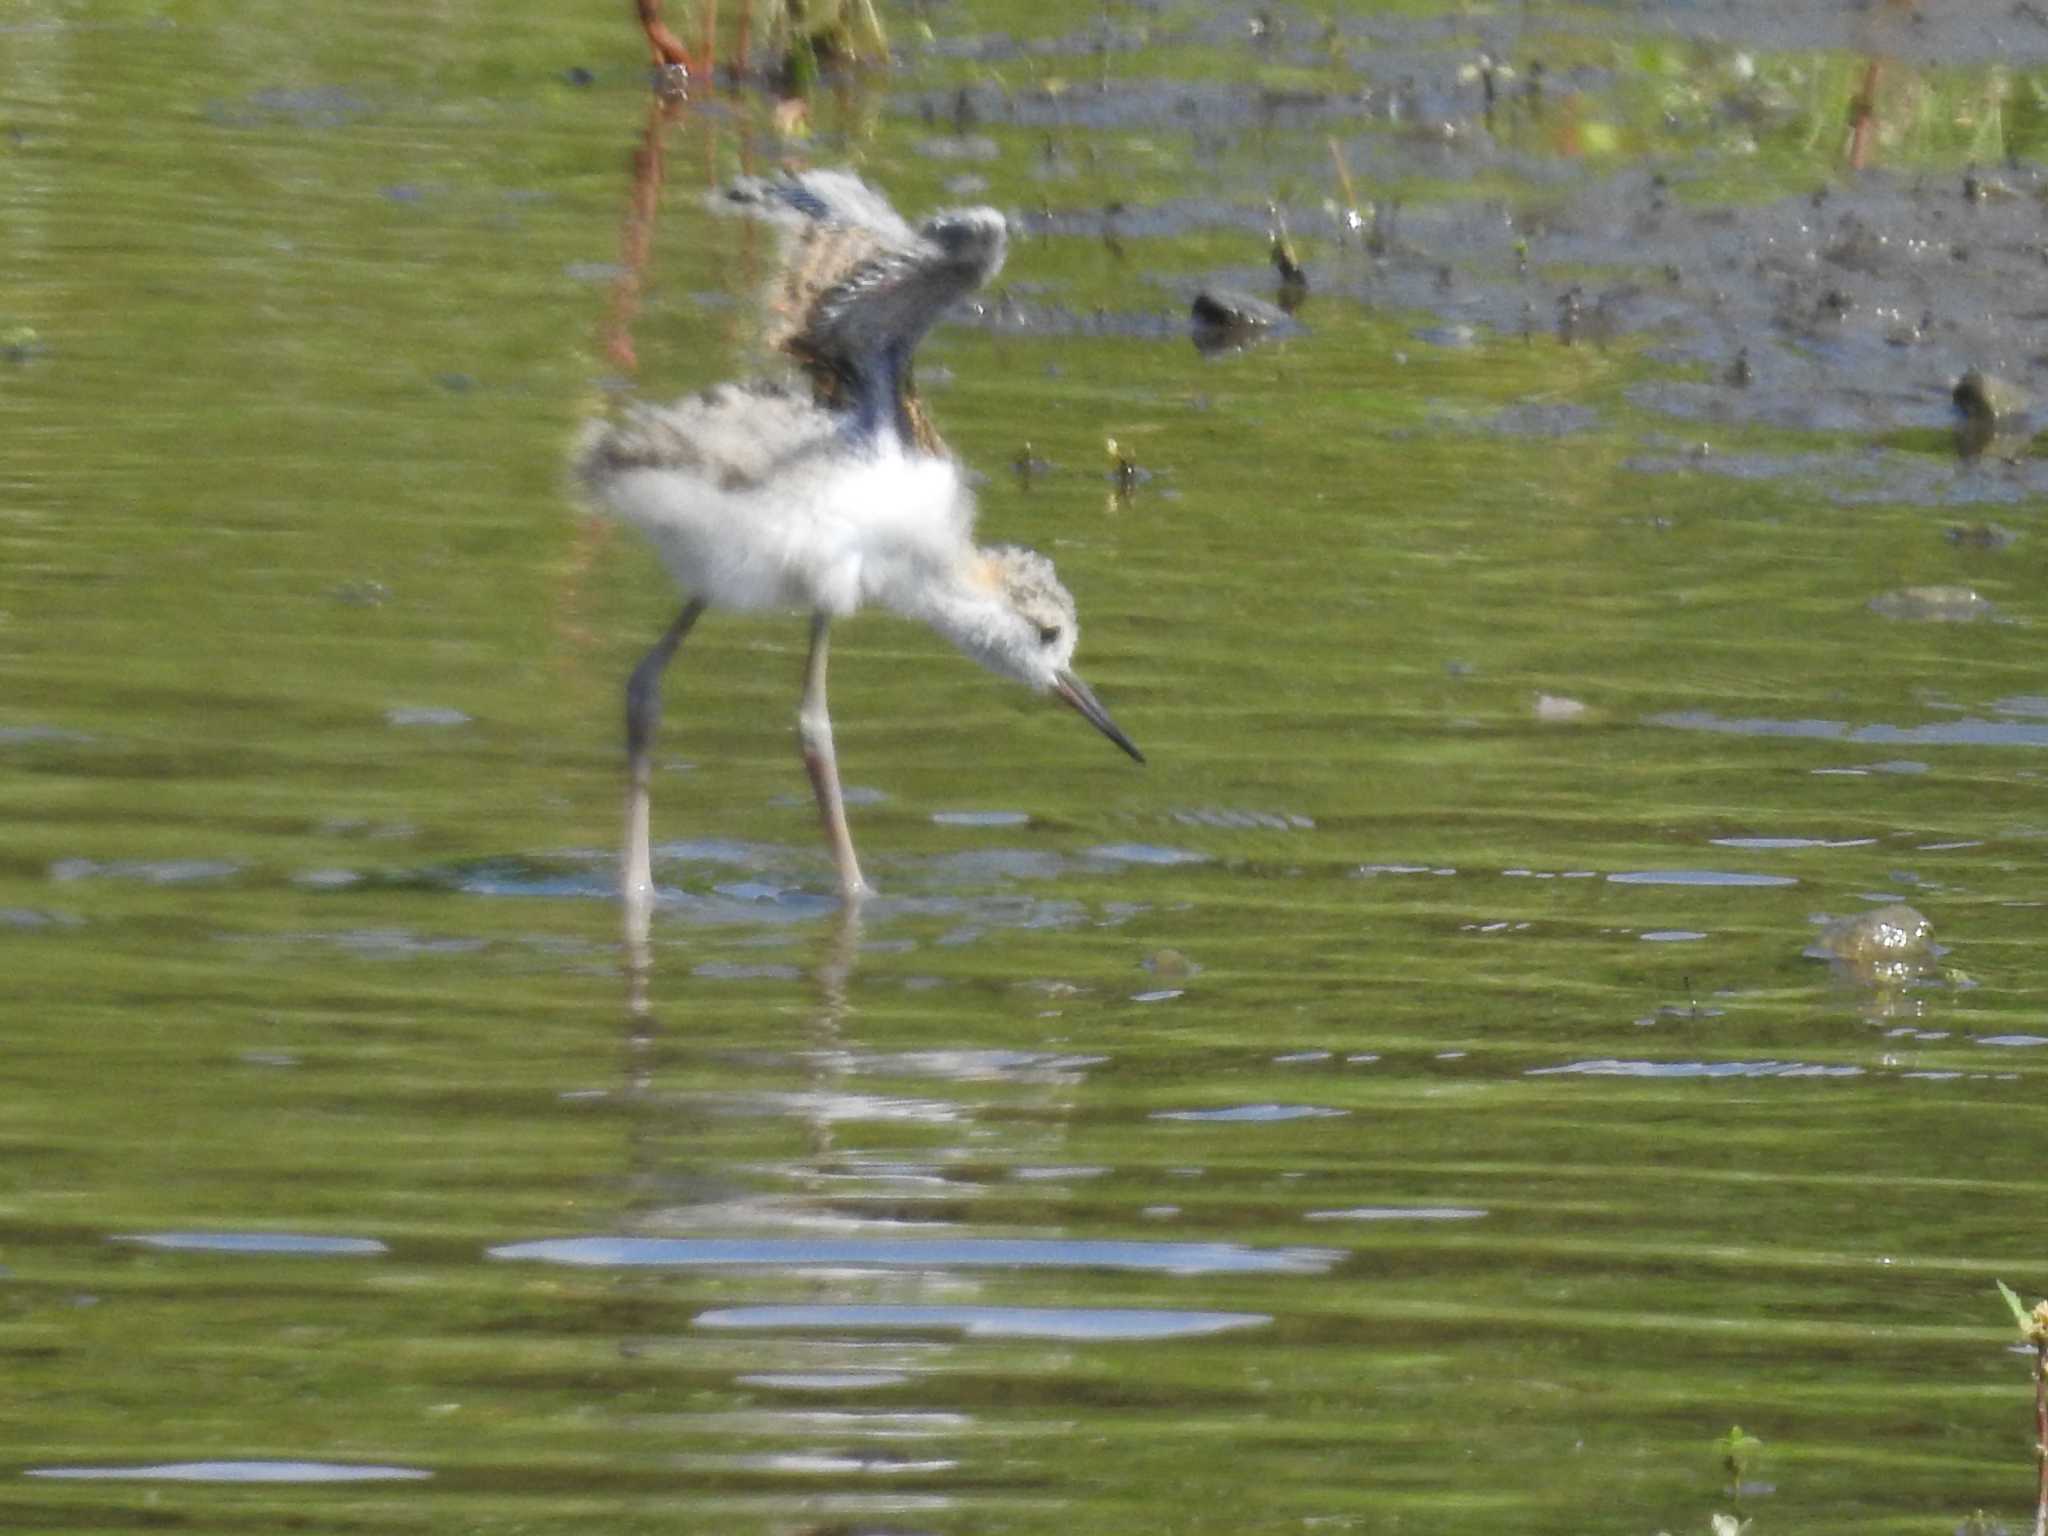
x=921, y=1253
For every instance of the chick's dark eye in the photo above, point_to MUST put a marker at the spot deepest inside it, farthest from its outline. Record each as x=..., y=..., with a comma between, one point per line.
x=1048, y=634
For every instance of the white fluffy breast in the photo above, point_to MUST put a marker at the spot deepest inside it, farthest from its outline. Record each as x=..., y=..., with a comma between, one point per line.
x=825, y=530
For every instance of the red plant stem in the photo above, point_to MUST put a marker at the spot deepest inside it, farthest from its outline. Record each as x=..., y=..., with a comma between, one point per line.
x=1863, y=128
x=666, y=46
x=636, y=238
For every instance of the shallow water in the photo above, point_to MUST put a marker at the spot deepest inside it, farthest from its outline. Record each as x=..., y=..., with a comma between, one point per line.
x=1422, y=1096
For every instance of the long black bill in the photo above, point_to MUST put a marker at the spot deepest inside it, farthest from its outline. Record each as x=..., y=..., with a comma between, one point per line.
x=1075, y=692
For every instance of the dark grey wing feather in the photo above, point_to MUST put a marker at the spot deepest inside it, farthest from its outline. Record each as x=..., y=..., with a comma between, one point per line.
x=859, y=287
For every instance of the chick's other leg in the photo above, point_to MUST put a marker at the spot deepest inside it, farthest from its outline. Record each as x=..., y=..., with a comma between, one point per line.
x=814, y=732
x=643, y=716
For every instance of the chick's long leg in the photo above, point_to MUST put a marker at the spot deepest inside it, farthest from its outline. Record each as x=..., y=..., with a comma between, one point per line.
x=643, y=716
x=814, y=732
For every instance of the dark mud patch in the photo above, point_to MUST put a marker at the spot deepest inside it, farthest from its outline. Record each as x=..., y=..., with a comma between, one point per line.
x=1867, y=476
x=1124, y=106
x=2010, y=33
x=1853, y=309
x=1849, y=311
x=1488, y=181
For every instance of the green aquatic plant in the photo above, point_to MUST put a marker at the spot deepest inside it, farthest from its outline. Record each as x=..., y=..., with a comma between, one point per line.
x=19, y=343
x=808, y=36
x=2033, y=1326
x=1738, y=1452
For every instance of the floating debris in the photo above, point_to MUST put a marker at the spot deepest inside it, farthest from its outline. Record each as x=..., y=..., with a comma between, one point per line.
x=1887, y=932
x=1123, y=467
x=1225, y=320
x=361, y=592
x=1991, y=415
x=20, y=344
x=1990, y=537
x=1979, y=188
x=1571, y=308
x=1170, y=963
x=1883, y=947
x=1934, y=605
x=1293, y=276
x=1028, y=467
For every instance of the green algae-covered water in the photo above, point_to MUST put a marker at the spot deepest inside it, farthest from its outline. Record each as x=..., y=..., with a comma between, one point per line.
x=1420, y=1099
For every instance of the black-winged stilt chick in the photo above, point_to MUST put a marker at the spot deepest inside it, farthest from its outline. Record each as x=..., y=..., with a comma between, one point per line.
x=828, y=493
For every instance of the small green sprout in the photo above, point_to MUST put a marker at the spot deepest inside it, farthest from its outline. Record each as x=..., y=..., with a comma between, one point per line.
x=1738, y=1454
x=2033, y=1325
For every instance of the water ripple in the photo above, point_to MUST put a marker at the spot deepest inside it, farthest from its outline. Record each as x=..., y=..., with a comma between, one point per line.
x=1697, y=877
x=1075, y=1323
x=238, y=1472
x=254, y=1242
x=1146, y=853
x=1610, y=1066
x=922, y=1253
x=1939, y=733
